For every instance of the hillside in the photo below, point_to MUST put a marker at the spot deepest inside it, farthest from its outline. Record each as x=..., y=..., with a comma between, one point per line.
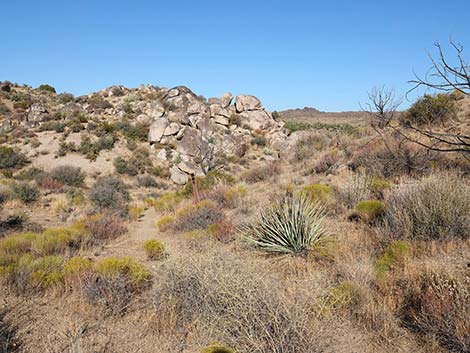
x=152, y=219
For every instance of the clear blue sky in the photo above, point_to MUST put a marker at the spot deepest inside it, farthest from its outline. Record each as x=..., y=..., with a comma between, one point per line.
x=324, y=54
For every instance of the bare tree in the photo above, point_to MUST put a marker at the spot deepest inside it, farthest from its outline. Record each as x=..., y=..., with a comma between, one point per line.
x=446, y=77
x=382, y=106
x=443, y=75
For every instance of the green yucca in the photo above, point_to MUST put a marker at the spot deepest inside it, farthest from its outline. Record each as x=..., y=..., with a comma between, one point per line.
x=290, y=226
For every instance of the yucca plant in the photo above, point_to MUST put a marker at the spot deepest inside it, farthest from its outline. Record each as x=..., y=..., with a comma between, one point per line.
x=290, y=226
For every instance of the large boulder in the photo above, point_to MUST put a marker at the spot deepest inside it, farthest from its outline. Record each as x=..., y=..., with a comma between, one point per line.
x=157, y=129
x=177, y=176
x=257, y=120
x=226, y=99
x=155, y=110
x=191, y=142
x=245, y=102
x=218, y=110
x=115, y=91
x=37, y=113
x=172, y=129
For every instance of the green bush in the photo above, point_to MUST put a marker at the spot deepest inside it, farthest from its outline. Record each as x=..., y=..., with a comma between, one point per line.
x=217, y=348
x=111, y=193
x=433, y=208
x=25, y=192
x=154, y=249
x=11, y=158
x=259, y=141
x=147, y=181
x=316, y=192
x=393, y=257
x=290, y=226
x=68, y=175
x=208, y=181
x=46, y=88
x=431, y=110
x=370, y=210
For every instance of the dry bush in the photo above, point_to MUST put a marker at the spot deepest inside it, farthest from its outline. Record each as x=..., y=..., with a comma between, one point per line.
x=103, y=226
x=223, y=230
x=307, y=145
x=261, y=173
x=394, y=157
x=110, y=193
x=68, y=175
x=225, y=196
x=438, y=305
x=197, y=216
x=8, y=332
x=327, y=163
x=218, y=297
x=433, y=208
x=51, y=185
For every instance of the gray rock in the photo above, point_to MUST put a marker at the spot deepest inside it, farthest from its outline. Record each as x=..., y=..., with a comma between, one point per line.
x=172, y=129
x=226, y=100
x=178, y=117
x=197, y=107
x=177, y=176
x=143, y=119
x=173, y=92
x=217, y=109
x=155, y=110
x=245, y=102
x=190, y=142
x=161, y=155
x=257, y=119
x=222, y=120
x=157, y=129
x=115, y=91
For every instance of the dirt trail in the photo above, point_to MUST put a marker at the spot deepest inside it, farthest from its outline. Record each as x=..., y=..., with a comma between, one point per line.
x=131, y=243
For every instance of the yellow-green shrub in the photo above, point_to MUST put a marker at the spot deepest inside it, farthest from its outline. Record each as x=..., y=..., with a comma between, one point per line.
x=217, y=348
x=393, y=257
x=154, y=249
x=316, y=192
x=126, y=266
x=135, y=211
x=370, y=210
x=167, y=202
x=165, y=222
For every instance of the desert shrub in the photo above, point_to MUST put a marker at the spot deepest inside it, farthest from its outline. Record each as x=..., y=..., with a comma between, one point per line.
x=98, y=102
x=57, y=241
x=327, y=163
x=291, y=226
x=262, y=173
x=306, y=146
x=430, y=110
x=437, y=304
x=223, y=230
x=316, y=192
x=361, y=187
x=165, y=222
x=217, y=348
x=370, y=210
x=135, y=211
x=103, y=226
x=133, y=132
x=25, y=191
x=46, y=88
x=197, y=216
x=113, y=283
x=31, y=173
x=236, y=302
x=64, y=98
x=206, y=182
x=138, y=163
x=393, y=257
x=434, y=208
x=345, y=295
x=11, y=158
x=167, y=202
x=159, y=171
x=110, y=193
x=147, y=181
x=9, y=342
x=259, y=140
x=154, y=249
x=68, y=175
x=123, y=166
x=225, y=196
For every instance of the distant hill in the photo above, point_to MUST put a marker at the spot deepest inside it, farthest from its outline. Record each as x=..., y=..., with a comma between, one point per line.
x=313, y=115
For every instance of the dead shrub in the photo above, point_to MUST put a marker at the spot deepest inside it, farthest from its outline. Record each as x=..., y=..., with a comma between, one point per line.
x=439, y=305
x=327, y=163
x=434, y=208
x=235, y=302
x=198, y=216
x=104, y=226
x=261, y=173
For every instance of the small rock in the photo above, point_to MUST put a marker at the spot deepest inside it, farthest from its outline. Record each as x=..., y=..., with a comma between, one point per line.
x=245, y=102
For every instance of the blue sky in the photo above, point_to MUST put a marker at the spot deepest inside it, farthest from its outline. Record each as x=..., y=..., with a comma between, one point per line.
x=290, y=54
